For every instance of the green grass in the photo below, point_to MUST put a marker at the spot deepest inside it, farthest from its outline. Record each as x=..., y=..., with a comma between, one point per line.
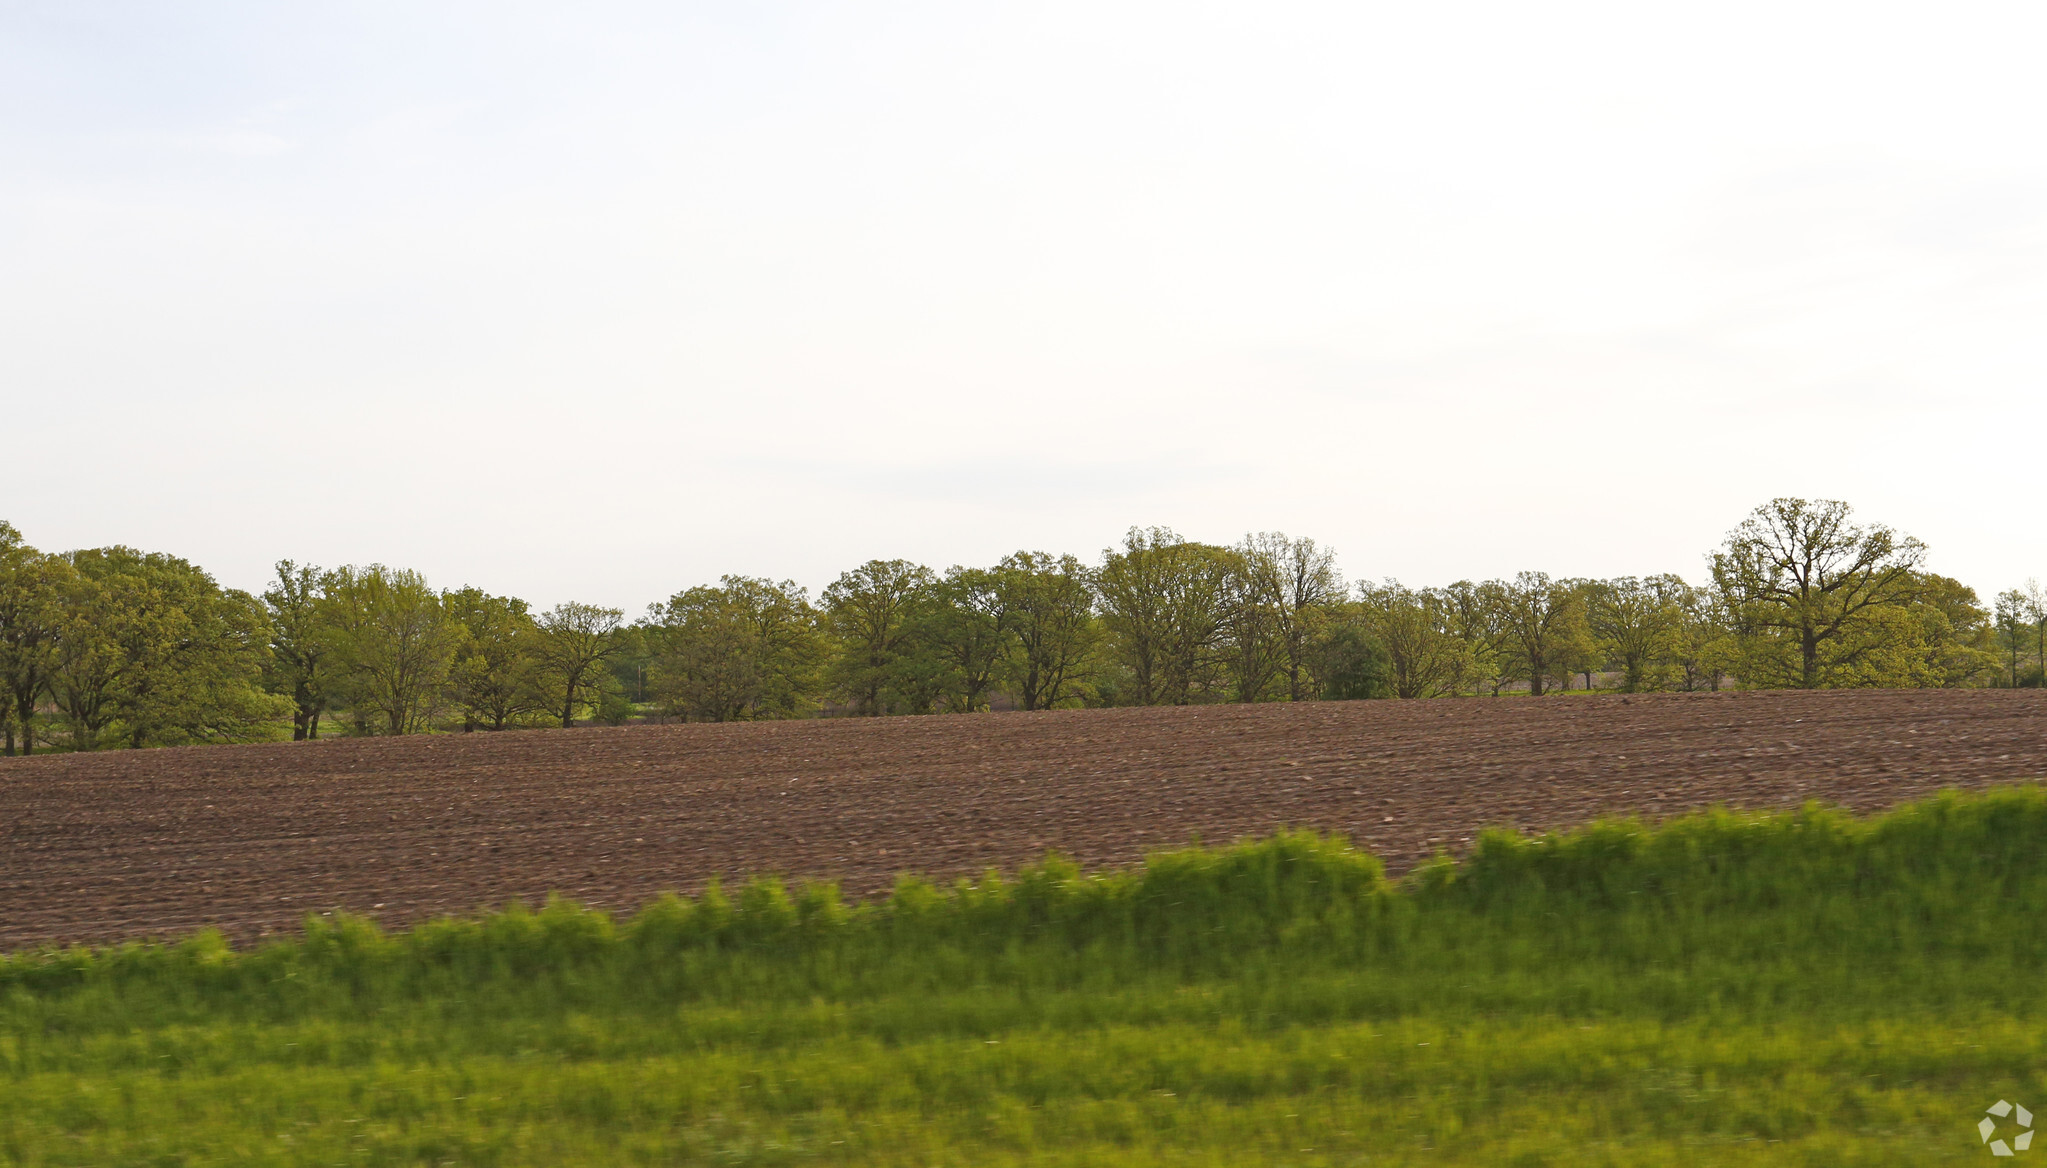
x=1791, y=989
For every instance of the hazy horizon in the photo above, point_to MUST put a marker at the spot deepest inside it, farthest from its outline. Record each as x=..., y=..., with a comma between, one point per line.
x=601, y=304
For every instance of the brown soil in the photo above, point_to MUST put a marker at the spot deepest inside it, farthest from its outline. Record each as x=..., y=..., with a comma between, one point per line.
x=253, y=838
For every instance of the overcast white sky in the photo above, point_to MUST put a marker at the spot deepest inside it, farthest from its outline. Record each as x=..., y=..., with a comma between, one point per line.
x=599, y=301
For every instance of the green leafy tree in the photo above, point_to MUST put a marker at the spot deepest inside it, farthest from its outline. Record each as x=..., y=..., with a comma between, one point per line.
x=1476, y=617
x=1169, y=606
x=632, y=667
x=1541, y=623
x=1351, y=663
x=1253, y=648
x=1705, y=648
x=494, y=677
x=743, y=649
x=1426, y=657
x=299, y=658
x=152, y=648
x=1636, y=624
x=1811, y=593
x=1047, y=604
x=32, y=586
x=1952, y=643
x=393, y=644
x=960, y=627
x=575, y=641
x=2014, y=631
x=1294, y=585
x=2036, y=604
x=869, y=612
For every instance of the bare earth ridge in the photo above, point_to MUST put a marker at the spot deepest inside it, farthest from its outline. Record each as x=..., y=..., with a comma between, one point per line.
x=130, y=844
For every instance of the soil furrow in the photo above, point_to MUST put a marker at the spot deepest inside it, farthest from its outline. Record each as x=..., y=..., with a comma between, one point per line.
x=252, y=838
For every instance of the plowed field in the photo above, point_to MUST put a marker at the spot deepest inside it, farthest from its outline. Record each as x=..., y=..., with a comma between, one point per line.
x=137, y=843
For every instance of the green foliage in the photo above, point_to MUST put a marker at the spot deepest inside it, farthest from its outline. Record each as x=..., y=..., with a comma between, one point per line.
x=300, y=665
x=1286, y=594
x=32, y=617
x=1168, y=604
x=572, y=642
x=495, y=678
x=871, y=613
x=614, y=708
x=1539, y=634
x=118, y=647
x=745, y=648
x=393, y=644
x=1723, y=989
x=1051, y=633
x=1816, y=600
x=959, y=631
x=149, y=651
x=1353, y=664
x=1639, y=625
x=1426, y=656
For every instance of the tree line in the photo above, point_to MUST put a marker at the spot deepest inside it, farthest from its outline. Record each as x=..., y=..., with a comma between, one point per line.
x=116, y=647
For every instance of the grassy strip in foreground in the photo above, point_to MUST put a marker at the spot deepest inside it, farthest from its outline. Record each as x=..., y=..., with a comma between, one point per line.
x=1799, y=989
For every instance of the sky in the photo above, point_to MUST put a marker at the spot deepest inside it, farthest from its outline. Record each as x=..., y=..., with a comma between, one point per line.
x=601, y=301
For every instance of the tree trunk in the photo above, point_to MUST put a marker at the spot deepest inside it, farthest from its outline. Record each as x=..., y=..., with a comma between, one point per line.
x=1809, y=648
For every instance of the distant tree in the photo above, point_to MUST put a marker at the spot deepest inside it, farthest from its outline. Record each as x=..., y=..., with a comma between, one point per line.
x=1169, y=604
x=574, y=642
x=299, y=664
x=1047, y=604
x=494, y=678
x=961, y=626
x=1352, y=664
x=1542, y=626
x=2036, y=604
x=1296, y=583
x=2015, y=629
x=392, y=644
x=744, y=648
x=1425, y=656
x=1705, y=647
x=708, y=665
x=869, y=613
x=31, y=618
x=1252, y=649
x=632, y=667
x=1636, y=624
x=1949, y=643
x=1476, y=617
x=149, y=645
x=100, y=630
x=1804, y=585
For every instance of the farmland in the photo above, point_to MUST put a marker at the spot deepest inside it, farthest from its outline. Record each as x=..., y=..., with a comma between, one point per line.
x=1786, y=987
x=1795, y=988
x=251, y=839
